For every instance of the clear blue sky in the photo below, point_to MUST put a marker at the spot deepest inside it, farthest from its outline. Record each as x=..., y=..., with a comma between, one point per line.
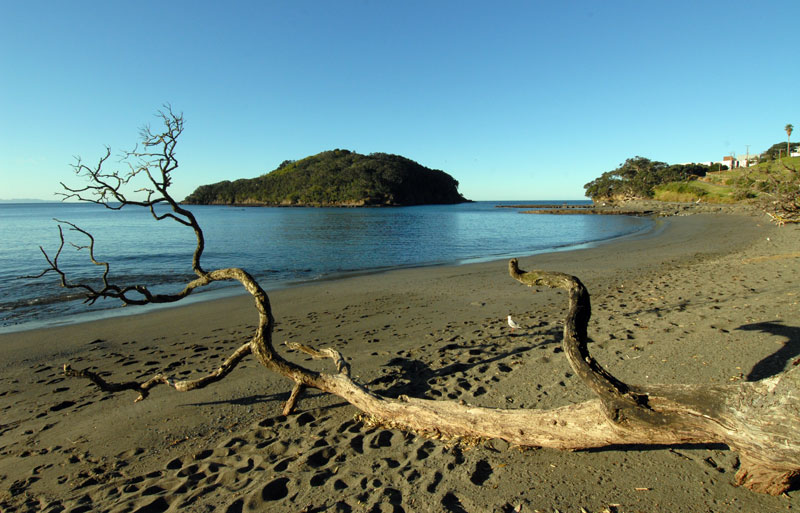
x=516, y=100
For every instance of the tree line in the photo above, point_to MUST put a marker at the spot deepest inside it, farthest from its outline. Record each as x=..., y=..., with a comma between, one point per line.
x=638, y=177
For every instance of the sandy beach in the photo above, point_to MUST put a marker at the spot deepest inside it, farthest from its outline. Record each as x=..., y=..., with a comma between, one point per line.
x=706, y=298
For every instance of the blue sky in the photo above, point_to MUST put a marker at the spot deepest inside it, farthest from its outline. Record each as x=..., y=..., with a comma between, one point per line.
x=516, y=100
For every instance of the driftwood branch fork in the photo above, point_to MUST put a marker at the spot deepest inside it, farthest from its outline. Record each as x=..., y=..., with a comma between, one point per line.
x=760, y=420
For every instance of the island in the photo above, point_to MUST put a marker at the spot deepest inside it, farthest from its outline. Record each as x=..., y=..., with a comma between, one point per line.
x=340, y=178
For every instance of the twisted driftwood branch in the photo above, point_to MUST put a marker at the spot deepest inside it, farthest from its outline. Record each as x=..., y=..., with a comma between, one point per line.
x=161, y=379
x=759, y=420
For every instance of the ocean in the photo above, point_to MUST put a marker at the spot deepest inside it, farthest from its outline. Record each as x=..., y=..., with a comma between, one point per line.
x=279, y=246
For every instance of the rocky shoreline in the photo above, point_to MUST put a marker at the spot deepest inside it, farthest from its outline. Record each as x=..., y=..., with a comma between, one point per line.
x=637, y=208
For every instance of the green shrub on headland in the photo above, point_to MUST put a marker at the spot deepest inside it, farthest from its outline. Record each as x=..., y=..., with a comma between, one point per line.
x=641, y=178
x=638, y=177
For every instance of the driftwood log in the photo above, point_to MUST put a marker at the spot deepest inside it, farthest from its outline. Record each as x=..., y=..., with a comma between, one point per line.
x=760, y=420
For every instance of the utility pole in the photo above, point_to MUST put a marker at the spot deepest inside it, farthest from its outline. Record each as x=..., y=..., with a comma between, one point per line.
x=747, y=162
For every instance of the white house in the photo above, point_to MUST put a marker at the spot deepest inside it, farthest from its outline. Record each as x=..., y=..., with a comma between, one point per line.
x=732, y=162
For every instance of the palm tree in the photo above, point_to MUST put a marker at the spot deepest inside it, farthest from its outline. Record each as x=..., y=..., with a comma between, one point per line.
x=788, y=129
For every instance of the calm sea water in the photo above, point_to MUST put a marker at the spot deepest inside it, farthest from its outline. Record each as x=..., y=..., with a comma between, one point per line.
x=279, y=246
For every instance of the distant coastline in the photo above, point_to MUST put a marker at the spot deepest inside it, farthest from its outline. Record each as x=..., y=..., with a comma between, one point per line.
x=27, y=200
x=639, y=208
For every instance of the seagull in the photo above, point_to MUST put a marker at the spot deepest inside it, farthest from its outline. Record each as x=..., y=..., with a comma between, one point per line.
x=512, y=324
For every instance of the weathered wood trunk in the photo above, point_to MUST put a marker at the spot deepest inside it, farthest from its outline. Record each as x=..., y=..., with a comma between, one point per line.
x=761, y=420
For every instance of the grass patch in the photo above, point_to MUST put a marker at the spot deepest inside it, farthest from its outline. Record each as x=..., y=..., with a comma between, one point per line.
x=757, y=172
x=694, y=191
x=729, y=186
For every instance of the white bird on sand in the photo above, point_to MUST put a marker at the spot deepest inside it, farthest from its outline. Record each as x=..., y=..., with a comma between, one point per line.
x=513, y=325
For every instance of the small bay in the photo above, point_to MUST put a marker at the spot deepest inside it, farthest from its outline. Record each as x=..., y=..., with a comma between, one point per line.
x=280, y=246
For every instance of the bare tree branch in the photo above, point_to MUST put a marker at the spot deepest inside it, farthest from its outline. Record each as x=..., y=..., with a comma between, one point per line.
x=160, y=379
x=778, y=192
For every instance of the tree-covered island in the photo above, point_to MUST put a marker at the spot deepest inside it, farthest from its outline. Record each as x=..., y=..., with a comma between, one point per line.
x=337, y=178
